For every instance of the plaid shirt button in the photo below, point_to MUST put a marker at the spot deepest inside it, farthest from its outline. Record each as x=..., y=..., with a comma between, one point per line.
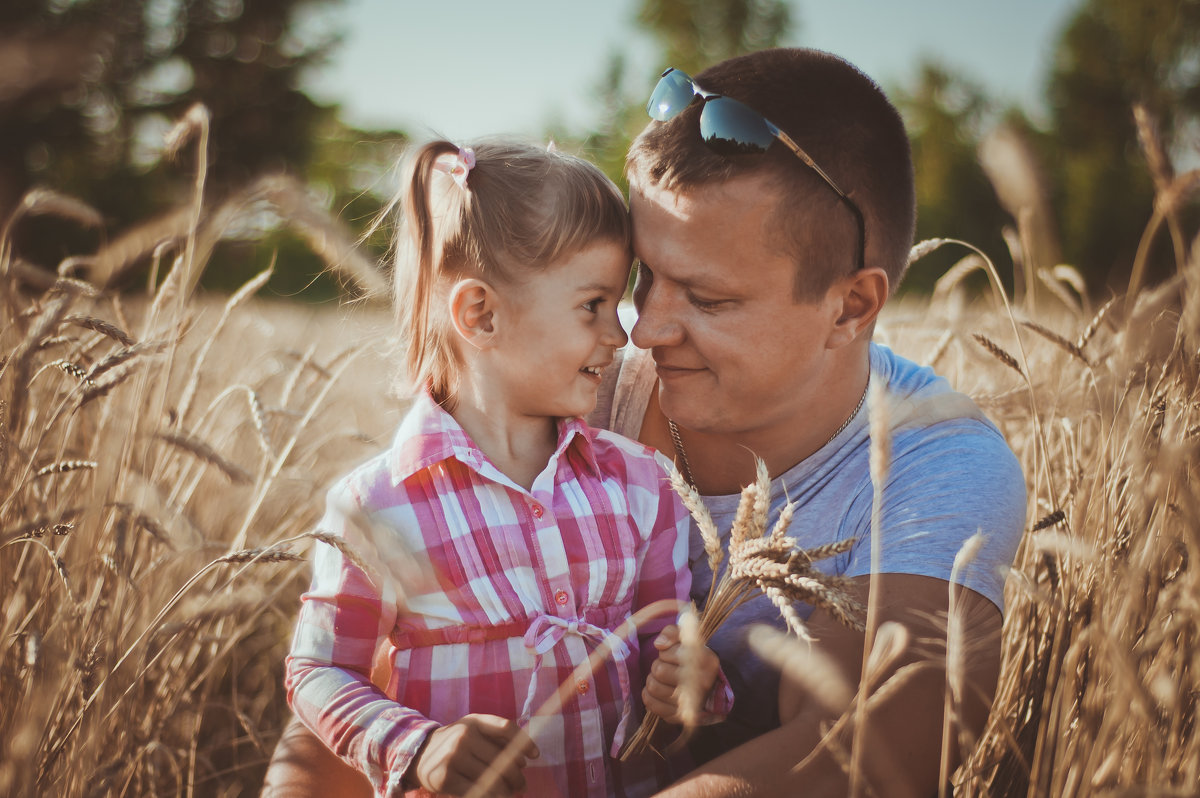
x=537, y=511
x=582, y=687
x=561, y=598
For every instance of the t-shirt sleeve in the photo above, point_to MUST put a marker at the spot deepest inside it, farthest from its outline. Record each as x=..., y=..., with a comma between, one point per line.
x=945, y=485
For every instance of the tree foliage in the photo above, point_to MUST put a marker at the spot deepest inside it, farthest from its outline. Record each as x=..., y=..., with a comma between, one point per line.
x=696, y=33
x=1112, y=54
x=690, y=34
x=105, y=79
x=944, y=115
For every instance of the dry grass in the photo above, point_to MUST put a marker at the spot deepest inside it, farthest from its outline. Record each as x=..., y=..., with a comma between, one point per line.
x=1099, y=689
x=116, y=680
x=162, y=458
x=155, y=452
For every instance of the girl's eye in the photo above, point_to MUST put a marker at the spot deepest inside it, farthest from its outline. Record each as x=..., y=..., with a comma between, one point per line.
x=592, y=305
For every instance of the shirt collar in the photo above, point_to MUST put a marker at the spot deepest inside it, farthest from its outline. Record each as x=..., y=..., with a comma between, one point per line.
x=429, y=435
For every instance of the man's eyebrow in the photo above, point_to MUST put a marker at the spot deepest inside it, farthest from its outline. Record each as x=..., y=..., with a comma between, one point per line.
x=714, y=283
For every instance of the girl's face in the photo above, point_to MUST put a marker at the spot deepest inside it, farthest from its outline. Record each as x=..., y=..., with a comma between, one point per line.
x=559, y=329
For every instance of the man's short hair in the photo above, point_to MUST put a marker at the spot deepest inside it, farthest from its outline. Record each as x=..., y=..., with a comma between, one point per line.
x=841, y=118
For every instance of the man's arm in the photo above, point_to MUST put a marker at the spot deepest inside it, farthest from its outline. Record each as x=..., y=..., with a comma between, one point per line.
x=303, y=767
x=902, y=748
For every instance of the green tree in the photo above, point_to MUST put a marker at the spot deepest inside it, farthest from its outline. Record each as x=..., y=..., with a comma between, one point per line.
x=945, y=116
x=1110, y=55
x=691, y=34
x=106, y=78
x=696, y=33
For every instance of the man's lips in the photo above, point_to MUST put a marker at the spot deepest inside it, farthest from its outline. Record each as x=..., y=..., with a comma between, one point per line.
x=668, y=370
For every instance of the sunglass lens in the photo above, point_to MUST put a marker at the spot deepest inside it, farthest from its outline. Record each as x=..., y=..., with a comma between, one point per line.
x=730, y=128
x=672, y=94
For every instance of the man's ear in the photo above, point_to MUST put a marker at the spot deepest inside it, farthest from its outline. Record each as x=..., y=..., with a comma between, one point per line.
x=862, y=295
x=472, y=311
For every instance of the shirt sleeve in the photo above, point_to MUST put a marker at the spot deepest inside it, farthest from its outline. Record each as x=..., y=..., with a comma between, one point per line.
x=345, y=613
x=944, y=486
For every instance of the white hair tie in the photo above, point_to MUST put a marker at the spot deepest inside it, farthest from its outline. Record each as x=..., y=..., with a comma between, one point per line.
x=457, y=165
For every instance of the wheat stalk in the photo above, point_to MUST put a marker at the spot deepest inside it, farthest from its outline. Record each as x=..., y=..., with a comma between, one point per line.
x=103, y=327
x=65, y=466
x=200, y=449
x=758, y=562
x=1062, y=343
x=998, y=352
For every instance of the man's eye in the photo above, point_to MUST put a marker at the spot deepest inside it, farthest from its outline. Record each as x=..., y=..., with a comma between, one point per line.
x=641, y=286
x=705, y=304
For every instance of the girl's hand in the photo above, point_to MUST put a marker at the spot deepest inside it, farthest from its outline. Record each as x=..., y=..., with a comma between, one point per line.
x=457, y=756
x=662, y=690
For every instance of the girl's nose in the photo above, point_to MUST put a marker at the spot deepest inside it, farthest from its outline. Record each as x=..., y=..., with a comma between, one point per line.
x=614, y=333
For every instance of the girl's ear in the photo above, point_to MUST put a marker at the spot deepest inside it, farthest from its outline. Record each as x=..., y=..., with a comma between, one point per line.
x=862, y=295
x=472, y=311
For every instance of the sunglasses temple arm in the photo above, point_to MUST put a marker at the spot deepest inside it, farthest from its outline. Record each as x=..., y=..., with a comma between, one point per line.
x=858, y=218
x=802, y=155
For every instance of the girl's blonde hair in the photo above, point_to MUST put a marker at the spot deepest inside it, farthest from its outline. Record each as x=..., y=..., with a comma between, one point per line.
x=522, y=208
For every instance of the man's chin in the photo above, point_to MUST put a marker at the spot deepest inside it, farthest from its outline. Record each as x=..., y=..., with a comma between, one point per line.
x=684, y=410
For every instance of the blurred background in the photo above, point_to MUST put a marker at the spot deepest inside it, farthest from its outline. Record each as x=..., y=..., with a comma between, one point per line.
x=1020, y=113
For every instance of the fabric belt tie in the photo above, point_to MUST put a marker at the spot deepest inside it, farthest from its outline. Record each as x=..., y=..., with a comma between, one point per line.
x=547, y=631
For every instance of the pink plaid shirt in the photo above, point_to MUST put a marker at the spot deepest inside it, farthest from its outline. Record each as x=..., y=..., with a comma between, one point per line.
x=491, y=595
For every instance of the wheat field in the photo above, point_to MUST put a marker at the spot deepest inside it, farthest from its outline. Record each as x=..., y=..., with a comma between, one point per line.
x=163, y=456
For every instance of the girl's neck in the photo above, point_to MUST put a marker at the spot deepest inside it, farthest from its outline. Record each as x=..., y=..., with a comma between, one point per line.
x=519, y=445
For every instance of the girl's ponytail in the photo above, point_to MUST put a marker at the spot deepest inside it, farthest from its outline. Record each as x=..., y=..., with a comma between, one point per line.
x=428, y=356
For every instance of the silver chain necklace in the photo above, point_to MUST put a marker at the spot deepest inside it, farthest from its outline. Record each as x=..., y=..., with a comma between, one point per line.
x=681, y=452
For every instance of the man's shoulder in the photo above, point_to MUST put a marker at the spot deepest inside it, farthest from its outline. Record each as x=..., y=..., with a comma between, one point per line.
x=940, y=434
x=923, y=407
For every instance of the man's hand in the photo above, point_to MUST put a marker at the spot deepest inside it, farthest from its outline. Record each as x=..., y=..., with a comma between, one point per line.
x=902, y=738
x=661, y=694
x=457, y=756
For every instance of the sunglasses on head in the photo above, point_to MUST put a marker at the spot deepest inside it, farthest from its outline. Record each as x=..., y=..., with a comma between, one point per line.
x=730, y=128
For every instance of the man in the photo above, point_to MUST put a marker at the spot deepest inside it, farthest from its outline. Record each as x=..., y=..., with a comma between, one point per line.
x=766, y=250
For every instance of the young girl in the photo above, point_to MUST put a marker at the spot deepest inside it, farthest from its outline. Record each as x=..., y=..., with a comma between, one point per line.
x=533, y=535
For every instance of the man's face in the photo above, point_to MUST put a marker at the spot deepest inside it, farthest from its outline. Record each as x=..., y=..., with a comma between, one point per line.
x=735, y=352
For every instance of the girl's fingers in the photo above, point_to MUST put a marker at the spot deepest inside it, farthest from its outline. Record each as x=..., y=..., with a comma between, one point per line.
x=500, y=749
x=667, y=638
x=665, y=673
x=469, y=769
x=504, y=732
x=667, y=710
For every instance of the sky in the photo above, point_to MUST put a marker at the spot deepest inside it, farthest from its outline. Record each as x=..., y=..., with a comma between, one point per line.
x=478, y=67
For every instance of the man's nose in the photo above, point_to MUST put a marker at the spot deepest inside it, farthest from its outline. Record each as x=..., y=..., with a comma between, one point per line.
x=657, y=323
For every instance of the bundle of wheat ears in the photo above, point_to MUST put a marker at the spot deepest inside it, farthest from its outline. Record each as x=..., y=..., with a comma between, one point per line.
x=758, y=561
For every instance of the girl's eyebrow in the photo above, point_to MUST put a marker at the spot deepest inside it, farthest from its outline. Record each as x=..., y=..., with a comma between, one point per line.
x=592, y=288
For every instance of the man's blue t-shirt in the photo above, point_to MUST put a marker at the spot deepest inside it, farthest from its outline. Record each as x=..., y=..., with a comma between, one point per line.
x=951, y=475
